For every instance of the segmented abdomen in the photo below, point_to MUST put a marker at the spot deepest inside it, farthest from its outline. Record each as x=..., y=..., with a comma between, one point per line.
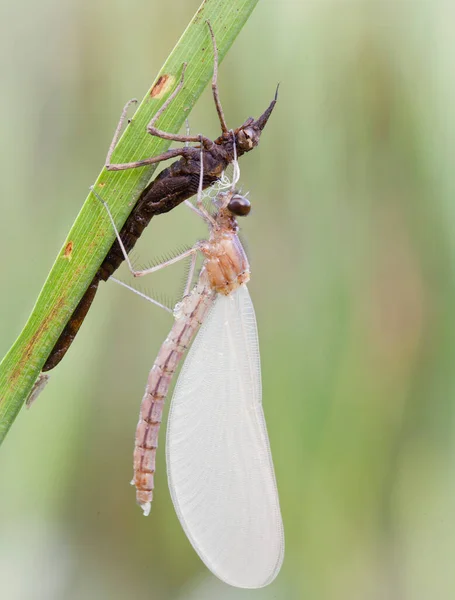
x=189, y=315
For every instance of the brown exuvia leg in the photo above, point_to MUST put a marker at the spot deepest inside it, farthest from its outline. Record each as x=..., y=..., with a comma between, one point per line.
x=171, y=136
x=119, y=129
x=215, y=91
x=173, y=153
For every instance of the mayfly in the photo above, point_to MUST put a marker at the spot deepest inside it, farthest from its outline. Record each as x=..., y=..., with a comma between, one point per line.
x=171, y=187
x=219, y=464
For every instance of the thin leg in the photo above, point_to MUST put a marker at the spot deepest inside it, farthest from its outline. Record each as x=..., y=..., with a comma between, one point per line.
x=167, y=263
x=175, y=137
x=235, y=163
x=187, y=128
x=193, y=208
x=173, y=153
x=129, y=287
x=161, y=134
x=200, y=206
x=172, y=136
x=143, y=272
x=118, y=130
x=216, y=95
x=186, y=291
x=119, y=239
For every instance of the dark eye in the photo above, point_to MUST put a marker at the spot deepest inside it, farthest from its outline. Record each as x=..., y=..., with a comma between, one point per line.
x=239, y=206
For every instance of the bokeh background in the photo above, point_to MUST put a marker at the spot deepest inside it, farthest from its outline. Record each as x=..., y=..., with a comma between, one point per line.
x=352, y=250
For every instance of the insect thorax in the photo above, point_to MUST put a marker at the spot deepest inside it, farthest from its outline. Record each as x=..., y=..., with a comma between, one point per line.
x=226, y=262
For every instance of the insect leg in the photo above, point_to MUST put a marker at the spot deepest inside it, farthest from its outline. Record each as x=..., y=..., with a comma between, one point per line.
x=152, y=300
x=200, y=206
x=118, y=129
x=215, y=91
x=167, y=263
x=158, y=133
x=172, y=136
x=173, y=153
x=193, y=208
x=189, y=279
x=143, y=272
x=187, y=127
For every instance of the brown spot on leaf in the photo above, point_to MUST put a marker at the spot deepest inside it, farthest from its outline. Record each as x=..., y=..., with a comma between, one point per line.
x=162, y=86
x=68, y=251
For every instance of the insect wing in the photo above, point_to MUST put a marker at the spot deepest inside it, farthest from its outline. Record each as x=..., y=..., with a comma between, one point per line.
x=219, y=464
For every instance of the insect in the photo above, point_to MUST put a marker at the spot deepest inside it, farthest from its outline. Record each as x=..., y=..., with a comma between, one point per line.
x=171, y=187
x=219, y=464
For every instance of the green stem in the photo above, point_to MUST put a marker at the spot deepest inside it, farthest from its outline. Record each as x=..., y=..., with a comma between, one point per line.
x=91, y=235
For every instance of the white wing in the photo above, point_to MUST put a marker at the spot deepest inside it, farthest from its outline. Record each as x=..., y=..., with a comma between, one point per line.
x=219, y=465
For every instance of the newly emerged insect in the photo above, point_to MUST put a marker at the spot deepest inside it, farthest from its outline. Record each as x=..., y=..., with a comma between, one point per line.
x=219, y=463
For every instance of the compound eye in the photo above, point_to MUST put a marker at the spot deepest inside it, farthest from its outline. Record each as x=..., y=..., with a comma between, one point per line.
x=239, y=206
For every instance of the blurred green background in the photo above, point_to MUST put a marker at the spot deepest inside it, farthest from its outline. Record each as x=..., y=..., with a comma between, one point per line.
x=352, y=252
